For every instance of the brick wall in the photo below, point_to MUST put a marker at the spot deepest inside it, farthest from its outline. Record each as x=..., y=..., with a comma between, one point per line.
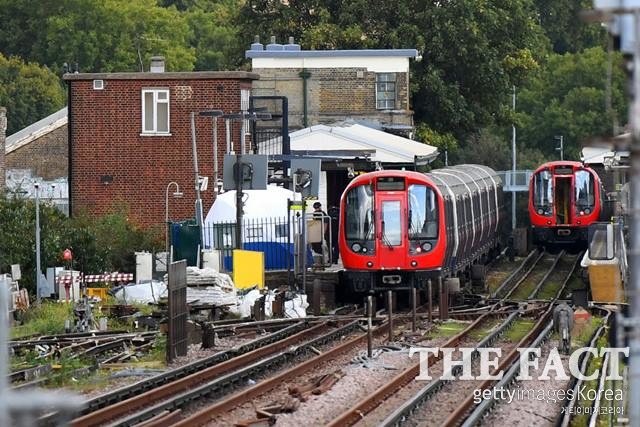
x=333, y=94
x=3, y=130
x=105, y=127
x=46, y=156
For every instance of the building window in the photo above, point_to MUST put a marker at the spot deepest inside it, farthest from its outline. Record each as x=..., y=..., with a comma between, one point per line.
x=155, y=111
x=386, y=91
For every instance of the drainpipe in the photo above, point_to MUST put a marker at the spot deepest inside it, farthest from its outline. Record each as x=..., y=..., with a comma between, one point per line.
x=304, y=74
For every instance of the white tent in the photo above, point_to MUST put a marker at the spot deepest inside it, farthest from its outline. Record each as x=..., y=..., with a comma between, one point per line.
x=269, y=203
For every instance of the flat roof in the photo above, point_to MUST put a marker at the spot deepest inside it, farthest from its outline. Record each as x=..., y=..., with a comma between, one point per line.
x=183, y=75
x=404, y=53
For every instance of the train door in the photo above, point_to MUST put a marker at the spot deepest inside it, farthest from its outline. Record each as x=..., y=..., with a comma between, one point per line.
x=392, y=245
x=563, y=199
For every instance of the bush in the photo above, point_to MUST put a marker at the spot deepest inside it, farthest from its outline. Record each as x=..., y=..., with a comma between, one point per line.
x=107, y=243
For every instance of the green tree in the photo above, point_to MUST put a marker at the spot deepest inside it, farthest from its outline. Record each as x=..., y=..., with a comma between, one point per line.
x=99, y=35
x=567, y=97
x=215, y=36
x=30, y=92
x=473, y=51
x=562, y=24
x=100, y=244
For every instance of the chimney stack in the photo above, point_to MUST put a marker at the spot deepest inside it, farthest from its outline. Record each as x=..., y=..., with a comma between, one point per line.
x=157, y=64
x=3, y=134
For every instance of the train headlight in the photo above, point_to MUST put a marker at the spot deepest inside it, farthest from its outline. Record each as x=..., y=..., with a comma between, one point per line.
x=540, y=211
x=426, y=246
x=582, y=212
x=414, y=263
x=587, y=211
x=369, y=264
x=356, y=247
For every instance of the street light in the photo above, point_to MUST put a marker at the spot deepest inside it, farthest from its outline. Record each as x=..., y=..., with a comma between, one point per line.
x=177, y=194
x=561, y=147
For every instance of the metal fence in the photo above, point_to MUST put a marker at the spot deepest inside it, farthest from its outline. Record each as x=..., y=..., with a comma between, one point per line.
x=274, y=236
x=279, y=238
x=178, y=311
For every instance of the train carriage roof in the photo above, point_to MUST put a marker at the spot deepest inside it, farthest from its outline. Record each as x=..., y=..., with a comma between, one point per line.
x=461, y=179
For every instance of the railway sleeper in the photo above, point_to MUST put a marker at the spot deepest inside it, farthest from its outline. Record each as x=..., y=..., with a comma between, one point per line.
x=231, y=381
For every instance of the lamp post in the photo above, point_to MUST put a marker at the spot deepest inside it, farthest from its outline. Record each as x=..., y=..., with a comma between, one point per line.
x=177, y=194
x=561, y=147
x=38, y=269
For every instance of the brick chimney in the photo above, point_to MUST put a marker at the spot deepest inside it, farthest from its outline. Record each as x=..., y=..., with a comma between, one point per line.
x=3, y=135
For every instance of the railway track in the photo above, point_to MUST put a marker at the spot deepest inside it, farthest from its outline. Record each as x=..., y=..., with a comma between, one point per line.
x=161, y=400
x=212, y=412
x=469, y=413
x=216, y=380
x=358, y=413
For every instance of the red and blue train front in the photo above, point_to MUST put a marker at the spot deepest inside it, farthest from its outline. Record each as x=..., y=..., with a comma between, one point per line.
x=392, y=234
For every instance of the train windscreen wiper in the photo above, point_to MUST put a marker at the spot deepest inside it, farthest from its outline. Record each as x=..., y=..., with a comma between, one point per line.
x=385, y=239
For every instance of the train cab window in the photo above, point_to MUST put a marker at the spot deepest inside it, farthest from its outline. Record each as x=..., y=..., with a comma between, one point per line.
x=391, y=223
x=359, y=224
x=585, y=190
x=423, y=212
x=543, y=192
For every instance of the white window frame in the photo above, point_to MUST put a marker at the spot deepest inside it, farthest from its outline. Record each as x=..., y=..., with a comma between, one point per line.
x=386, y=103
x=156, y=101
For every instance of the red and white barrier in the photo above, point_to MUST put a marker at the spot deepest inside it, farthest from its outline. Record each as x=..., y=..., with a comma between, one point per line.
x=67, y=279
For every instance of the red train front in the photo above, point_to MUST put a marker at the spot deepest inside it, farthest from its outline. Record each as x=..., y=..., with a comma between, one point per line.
x=395, y=226
x=564, y=198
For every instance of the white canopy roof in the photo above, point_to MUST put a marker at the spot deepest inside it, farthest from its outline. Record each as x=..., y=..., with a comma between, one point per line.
x=350, y=139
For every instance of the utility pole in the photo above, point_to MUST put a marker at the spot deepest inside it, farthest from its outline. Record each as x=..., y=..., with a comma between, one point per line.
x=199, y=219
x=38, y=269
x=513, y=165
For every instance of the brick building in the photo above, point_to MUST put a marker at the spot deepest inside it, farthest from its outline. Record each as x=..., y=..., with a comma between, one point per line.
x=41, y=148
x=130, y=136
x=368, y=86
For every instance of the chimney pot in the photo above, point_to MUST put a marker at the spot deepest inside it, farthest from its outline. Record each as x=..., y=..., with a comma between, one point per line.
x=273, y=45
x=157, y=64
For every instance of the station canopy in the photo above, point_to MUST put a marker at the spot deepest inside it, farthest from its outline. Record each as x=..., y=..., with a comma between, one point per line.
x=350, y=140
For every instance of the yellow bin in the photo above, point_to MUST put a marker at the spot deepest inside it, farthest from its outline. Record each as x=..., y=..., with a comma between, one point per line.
x=606, y=282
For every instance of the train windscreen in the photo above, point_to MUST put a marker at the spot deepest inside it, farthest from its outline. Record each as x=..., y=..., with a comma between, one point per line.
x=359, y=224
x=543, y=192
x=391, y=224
x=423, y=212
x=585, y=190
